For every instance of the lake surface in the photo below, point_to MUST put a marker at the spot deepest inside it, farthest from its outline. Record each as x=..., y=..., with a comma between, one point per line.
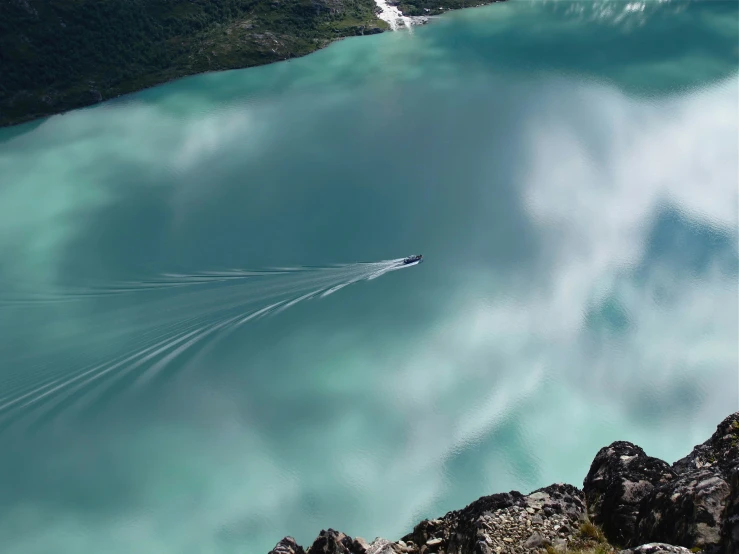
x=568, y=170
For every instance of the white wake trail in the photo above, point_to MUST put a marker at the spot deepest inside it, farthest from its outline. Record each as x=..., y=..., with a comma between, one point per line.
x=176, y=313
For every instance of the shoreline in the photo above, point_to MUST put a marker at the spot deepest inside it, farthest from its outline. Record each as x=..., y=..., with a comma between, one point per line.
x=55, y=103
x=630, y=503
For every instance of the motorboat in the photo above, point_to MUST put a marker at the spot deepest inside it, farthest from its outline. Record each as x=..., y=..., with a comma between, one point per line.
x=412, y=259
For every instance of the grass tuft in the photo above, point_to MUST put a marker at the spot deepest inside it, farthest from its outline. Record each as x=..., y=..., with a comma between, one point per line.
x=589, y=530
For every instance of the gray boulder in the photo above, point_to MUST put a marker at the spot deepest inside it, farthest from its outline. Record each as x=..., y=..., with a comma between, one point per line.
x=620, y=477
x=698, y=509
x=656, y=548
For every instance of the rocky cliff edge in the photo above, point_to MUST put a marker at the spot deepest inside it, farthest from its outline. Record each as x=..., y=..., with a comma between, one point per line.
x=630, y=503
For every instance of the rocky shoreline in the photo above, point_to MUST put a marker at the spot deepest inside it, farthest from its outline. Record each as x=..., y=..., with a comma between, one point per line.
x=630, y=503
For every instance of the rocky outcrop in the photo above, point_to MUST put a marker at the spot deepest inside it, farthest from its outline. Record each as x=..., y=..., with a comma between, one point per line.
x=638, y=502
x=510, y=523
x=638, y=499
x=334, y=542
x=288, y=546
x=620, y=477
x=697, y=509
x=730, y=531
x=687, y=512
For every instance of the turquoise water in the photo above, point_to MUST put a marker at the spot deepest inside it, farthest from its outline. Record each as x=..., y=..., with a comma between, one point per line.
x=569, y=172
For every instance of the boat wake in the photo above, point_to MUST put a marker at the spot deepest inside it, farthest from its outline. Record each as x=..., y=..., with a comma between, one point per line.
x=161, y=320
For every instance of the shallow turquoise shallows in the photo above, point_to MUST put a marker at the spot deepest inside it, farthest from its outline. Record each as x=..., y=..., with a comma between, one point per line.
x=568, y=171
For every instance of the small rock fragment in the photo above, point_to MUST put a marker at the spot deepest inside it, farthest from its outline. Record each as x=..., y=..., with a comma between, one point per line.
x=534, y=541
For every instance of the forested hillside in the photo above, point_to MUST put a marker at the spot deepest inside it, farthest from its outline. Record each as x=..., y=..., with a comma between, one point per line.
x=60, y=54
